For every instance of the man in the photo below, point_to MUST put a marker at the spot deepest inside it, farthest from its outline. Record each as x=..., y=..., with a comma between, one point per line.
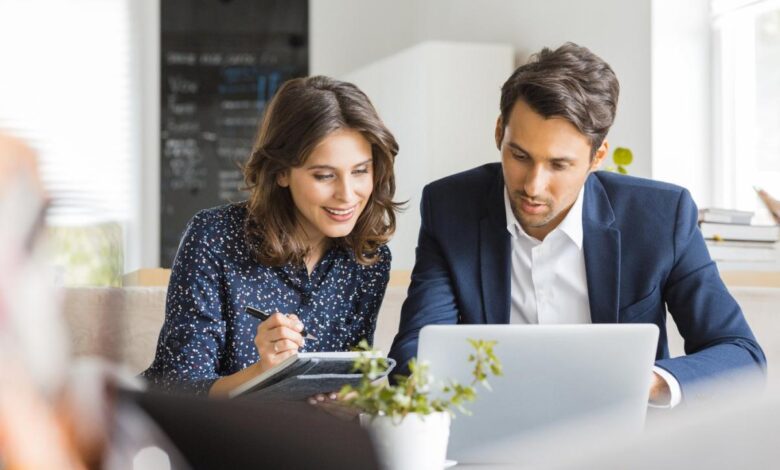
x=543, y=238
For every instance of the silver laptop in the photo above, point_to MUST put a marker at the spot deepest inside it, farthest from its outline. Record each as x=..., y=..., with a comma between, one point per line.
x=555, y=377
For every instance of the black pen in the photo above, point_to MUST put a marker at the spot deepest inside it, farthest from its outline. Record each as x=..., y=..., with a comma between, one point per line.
x=263, y=316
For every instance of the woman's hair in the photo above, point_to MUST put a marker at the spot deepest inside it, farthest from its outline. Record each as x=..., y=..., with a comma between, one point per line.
x=570, y=82
x=303, y=112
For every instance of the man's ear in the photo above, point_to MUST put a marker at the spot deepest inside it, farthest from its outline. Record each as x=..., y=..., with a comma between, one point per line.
x=283, y=178
x=499, y=132
x=601, y=154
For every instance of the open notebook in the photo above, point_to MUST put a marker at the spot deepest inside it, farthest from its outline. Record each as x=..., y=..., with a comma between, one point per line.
x=301, y=376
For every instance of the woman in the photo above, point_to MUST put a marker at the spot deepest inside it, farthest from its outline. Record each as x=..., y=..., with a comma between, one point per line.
x=309, y=244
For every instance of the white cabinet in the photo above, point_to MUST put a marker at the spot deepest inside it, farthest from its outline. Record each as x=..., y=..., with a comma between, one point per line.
x=441, y=101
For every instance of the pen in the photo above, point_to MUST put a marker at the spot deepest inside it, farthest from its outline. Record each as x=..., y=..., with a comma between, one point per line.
x=262, y=316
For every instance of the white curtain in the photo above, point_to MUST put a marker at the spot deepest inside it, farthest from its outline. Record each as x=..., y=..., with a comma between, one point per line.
x=69, y=88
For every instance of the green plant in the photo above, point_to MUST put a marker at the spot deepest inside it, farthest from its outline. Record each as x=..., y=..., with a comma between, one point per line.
x=89, y=255
x=622, y=157
x=412, y=394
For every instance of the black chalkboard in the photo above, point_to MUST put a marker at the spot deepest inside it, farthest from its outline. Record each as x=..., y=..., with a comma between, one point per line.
x=221, y=61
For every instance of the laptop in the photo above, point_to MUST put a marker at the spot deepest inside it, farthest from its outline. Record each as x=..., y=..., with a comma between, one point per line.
x=555, y=377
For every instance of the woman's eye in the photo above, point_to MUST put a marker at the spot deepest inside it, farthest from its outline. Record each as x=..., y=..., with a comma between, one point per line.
x=320, y=177
x=360, y=171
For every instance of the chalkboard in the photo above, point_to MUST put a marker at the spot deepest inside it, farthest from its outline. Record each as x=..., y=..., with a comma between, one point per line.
x=221, y=62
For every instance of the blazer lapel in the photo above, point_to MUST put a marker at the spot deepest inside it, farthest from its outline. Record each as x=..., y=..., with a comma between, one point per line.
x=601, y=242
x=495, y=256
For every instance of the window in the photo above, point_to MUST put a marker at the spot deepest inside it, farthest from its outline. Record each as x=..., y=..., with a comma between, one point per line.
x=746, y=36
x=66, y=87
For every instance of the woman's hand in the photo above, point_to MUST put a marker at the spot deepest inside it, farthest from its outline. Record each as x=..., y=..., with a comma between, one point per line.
x=277, y=339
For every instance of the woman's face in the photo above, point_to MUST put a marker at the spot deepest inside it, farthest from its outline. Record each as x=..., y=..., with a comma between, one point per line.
x=331, y=189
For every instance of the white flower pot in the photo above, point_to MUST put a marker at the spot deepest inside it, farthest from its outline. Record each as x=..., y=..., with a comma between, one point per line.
x=415, y=442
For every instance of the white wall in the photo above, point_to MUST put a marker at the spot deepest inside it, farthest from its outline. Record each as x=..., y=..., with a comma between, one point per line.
x=617, y=30
x=348, y=34
x=681, y=96
x=146, y=34
x=440, y=101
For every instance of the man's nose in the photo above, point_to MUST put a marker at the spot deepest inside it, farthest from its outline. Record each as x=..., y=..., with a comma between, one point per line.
x=535, y=181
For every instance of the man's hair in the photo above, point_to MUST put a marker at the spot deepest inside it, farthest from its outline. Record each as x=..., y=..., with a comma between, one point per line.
x=571, y=83
x=303, y=112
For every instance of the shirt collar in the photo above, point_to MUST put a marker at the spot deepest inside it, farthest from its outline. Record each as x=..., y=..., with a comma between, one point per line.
x=571, y=225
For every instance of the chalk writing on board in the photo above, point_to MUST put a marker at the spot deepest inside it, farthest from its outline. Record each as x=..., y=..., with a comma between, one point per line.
x=230, y=182
x=180, y=58
x=240, y=59
x=219, y=69
x=179, y=84
x=174, y=126
x=180, y=109
x=210, y=58
x=184, y=162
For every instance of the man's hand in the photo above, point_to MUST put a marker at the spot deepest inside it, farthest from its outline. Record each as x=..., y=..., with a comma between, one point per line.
x=333, y=405
x=659, y=391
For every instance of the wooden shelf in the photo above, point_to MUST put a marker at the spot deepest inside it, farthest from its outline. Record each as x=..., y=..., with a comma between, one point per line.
x=147, y=277
x=751, y=278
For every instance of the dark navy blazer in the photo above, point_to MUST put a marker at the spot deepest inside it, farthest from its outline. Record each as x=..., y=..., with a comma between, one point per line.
x=644, y=254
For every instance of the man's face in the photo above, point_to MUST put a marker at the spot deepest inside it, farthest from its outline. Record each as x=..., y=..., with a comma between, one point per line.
x=545, y=163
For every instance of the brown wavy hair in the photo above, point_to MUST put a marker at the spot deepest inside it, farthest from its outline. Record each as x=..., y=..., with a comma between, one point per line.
x=570, y=82
x=302, y=113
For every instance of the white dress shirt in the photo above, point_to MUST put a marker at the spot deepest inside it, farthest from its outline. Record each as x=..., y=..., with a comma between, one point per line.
x=549, y=283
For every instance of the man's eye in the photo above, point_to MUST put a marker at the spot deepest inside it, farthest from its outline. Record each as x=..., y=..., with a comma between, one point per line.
x=559, y=166
x=519, y=156
x=320, y=177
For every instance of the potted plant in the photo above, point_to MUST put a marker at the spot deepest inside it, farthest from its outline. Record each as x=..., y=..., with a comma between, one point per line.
x=409, y=421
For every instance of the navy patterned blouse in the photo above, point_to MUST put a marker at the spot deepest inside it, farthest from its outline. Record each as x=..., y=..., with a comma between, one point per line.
x=206, y=333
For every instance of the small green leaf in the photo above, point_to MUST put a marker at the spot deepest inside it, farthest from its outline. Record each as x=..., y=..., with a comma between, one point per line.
x=622, y=170
x=622, y=157
x=412, y=393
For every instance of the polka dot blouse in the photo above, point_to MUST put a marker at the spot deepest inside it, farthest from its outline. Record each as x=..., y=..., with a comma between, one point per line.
x=206, y=333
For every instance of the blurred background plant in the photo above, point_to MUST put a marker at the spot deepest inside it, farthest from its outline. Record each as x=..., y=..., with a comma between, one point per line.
x=88, y=255
x=621, y=157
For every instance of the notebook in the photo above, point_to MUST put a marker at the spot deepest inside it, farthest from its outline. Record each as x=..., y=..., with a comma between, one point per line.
x=303, y=375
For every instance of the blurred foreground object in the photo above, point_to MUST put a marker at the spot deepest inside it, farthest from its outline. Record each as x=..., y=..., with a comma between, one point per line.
x=737, y=427
x=771, y=203
x=33, y=342
x=31, y=328
x=243, y=433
